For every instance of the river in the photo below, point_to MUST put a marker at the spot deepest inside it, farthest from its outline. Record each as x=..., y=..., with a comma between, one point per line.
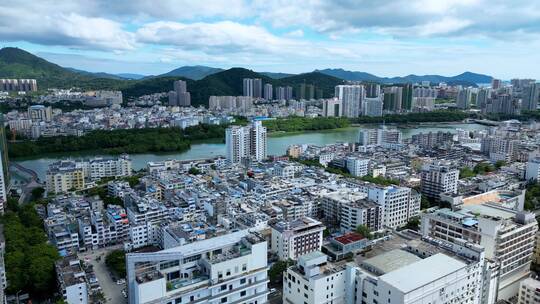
x=277, y=144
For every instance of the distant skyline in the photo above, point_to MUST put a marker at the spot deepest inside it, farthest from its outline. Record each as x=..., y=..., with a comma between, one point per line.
x=385, y=38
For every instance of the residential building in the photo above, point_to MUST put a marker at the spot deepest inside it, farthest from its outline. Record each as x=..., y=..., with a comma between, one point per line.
x=508, y=237
x=64, y=176
x=99, y=167
x=72, y=280
x=432, y=139
x=18, y=85
x=3, y=188
x=40, y=113
x=399, y=204
x=357, y=166
x=351, y=97
x=332, y=108
x=372, y=107
x=438, y=178
x=403, y=271
x=291, y=239
x=531, y=96
x=249, y=142
x=529, y=291
x=179, y=96
x=3, y=280
x=225, y=269
x=313, y=280
x=393, y=98
x=383, y=136
x=268, y=91
x=463, y=100
x=533, y=169
x=361, y=212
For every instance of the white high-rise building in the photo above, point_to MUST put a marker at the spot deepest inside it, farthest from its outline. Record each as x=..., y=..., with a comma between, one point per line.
x=403, y=272
x=437, y=178
x=372, y=107
x=258, y=139
x=508, y=237
x=351, y=97
x=268, y=91
x=246, y=142
x=462, y=100
x=531, y=95
x=380, y=137
x=332, y=108
x=533, y=169
x=291, y=239
x=358, y=166
x=3, y=188
x=399, y=204
x=529, y=291
x=231, y=268
x=248, y=87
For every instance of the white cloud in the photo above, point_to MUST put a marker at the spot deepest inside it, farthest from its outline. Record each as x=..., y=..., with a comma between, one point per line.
x=65, y=29
x=215, y=38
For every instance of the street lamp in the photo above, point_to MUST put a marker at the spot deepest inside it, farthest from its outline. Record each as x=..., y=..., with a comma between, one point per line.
x=17, y=295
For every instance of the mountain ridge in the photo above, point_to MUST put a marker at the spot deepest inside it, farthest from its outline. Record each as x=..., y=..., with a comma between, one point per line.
x=363, y=76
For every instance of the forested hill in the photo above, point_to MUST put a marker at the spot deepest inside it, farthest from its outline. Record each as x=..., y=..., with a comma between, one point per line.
x=17, y=63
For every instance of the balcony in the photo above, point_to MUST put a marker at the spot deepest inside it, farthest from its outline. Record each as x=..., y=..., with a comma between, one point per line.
x=196, y=280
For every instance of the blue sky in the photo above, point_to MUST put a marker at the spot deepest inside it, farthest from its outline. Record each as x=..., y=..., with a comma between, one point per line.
x=386, y=38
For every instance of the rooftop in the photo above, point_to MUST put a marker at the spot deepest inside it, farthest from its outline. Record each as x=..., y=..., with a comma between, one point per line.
x=348, y=238
x=425, y=271
x=390, y=261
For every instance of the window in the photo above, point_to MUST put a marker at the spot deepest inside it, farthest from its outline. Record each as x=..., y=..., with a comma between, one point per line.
x=223, y=300
x=223, y=287
x=243, y=281
x=243, y=293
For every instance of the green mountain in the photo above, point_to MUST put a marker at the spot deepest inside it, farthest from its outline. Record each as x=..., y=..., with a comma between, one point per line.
x=467, y=78
x=195, y=72
x=228, y=83
x=17, y=63
x=276, y=75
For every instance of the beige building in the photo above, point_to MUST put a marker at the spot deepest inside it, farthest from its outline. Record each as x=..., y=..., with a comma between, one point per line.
x=64, y=176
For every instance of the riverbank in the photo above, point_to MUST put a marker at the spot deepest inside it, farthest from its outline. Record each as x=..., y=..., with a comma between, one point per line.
x=277, y=145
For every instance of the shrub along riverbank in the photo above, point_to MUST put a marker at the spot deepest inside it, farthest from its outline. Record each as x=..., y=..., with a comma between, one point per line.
x=157, y=140
x=118, y=141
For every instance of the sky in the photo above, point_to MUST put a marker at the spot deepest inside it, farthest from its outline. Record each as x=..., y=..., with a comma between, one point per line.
x=386, y=38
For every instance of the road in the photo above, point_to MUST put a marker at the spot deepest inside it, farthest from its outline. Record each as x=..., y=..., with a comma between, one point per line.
x=275, y=297
x=112, y=291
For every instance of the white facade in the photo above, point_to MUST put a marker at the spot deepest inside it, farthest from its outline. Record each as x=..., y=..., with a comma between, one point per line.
x=529, y=291
x=315, y=281
x=399, y=204
x=357, y=166
x=3, y=188
x=372, y=107
x=246, y=142
x=297, y=237
x=227, y=269
x=533, y=169
x=351, y=97
x=437, y=178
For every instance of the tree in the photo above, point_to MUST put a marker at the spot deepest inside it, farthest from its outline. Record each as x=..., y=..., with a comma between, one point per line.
x=424, y=202
x=275, y=273
x=37, y=193
x=466, y=172
x=194, y=171
x=413, y=223
x=364, y=231
x=116, y=262
x=499, y=164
